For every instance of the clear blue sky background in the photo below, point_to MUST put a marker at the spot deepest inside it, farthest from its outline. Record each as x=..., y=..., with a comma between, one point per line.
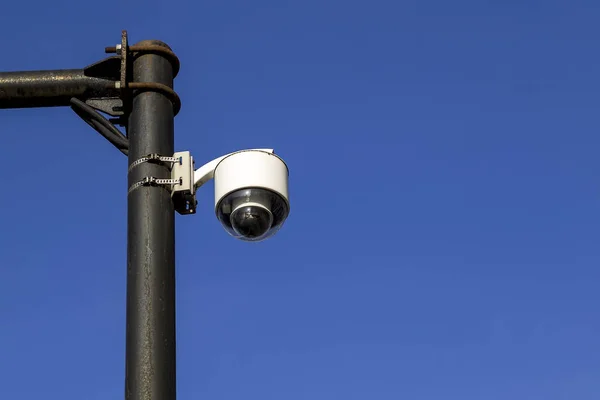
x=443, y=240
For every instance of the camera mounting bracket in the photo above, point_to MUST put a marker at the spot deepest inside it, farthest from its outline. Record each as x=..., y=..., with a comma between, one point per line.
x=181, y=183
x=184, y=179
x=207, y=172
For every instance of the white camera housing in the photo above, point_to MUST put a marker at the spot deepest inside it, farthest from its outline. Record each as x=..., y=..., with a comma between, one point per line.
x=251, y=192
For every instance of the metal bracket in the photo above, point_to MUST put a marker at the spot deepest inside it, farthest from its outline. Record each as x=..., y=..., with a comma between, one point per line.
x=112, y=106
x=152, y=181
x=184, y=194
x=152, y=158
x=125, y=53
x=181, y=182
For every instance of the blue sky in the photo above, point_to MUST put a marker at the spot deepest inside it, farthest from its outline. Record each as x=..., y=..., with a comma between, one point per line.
x=443, y=238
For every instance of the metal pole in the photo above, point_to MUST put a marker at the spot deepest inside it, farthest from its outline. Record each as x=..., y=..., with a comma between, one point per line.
x=24, y=89
x=150, y=337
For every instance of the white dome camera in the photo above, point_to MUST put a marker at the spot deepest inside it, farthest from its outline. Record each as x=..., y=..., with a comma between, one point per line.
x=251, y=192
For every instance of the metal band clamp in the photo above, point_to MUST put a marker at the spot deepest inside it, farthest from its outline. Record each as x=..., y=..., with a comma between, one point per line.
x=153, y=158
x=152, y=181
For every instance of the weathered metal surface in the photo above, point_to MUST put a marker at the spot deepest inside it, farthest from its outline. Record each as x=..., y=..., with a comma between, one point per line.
x=159, y=88
x=25, y=89
x=105, y=85
x=150, y=338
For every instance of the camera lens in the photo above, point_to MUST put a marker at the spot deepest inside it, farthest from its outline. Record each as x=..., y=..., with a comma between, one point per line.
x=252, y=214
x=251, y=220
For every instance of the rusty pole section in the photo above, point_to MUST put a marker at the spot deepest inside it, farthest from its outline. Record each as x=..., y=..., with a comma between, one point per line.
x=26, y=89
x=150, y=337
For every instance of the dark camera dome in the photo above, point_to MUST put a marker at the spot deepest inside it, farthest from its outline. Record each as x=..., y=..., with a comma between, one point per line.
x=251, y=220
x=252, y=214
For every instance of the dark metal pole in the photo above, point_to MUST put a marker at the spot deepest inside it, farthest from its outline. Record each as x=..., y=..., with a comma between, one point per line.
x=24, y=89
x=150, y=340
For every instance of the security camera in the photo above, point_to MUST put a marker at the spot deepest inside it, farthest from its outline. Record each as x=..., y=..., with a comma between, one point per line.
x=251, y=192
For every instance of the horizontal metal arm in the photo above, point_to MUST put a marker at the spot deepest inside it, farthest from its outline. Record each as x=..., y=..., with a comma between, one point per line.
x=25, y=89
